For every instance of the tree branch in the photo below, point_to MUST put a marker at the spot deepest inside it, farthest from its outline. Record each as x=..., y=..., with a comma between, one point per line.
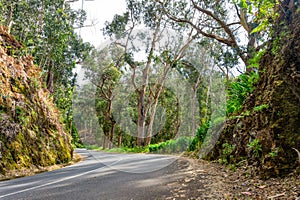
x=230, y=41
x=218, y=20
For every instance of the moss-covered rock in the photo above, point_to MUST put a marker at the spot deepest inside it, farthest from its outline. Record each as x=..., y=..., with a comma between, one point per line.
x=31, y=133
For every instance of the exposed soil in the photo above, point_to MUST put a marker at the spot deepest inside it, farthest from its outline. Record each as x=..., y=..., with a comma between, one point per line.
x=207, y=180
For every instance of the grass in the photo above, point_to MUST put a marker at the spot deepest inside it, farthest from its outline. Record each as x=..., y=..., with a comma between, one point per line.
x=93, y=147
x=178, y=145
x=129, y=150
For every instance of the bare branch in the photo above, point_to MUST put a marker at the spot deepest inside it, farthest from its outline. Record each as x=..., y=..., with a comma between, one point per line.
x=219, y=27
x=228, y=42
x=219, y=21
x=233, y=23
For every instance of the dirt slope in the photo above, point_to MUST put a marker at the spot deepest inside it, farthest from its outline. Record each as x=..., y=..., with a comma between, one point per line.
x=207, y=180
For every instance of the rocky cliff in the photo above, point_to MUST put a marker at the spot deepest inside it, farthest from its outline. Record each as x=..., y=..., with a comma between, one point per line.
x=31, y=133
x=269, y=135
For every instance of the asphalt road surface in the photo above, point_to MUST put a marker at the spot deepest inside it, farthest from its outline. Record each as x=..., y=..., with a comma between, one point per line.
x=99, y=176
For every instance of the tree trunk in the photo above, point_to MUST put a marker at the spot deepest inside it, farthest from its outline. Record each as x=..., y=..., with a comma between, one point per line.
x=50, y=79
x=112, y=124
x=112, y=132
x=276, y=126
x=141, y=120
x=104, y=142
x=158, y=91
x=193, y=107
x=152, y=116
x=178, y=119
x=119, y=140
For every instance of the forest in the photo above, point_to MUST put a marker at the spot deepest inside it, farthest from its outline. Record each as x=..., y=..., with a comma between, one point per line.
x=218, y=80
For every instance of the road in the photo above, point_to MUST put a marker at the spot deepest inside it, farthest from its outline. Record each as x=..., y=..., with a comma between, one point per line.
x=99, y=176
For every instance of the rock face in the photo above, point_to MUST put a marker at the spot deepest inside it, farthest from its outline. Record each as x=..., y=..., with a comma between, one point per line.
x=269, y=134
x=31, y=133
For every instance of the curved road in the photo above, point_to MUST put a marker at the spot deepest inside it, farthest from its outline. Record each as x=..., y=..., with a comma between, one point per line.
x=100, y=176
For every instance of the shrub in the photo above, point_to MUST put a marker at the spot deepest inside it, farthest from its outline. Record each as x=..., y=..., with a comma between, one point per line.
x=238, y=91
x=171, y=146
x=199, y=138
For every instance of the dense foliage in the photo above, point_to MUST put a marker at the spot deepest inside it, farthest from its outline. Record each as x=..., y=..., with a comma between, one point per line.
x=46, y=30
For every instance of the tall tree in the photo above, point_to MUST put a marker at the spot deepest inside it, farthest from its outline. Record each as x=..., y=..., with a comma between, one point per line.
x=194, y=68
x=163, y=48
x=103, y=71
x=85, y=116
x=46, y=29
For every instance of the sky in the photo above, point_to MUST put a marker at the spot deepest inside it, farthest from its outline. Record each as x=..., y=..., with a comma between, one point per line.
x=98, y=12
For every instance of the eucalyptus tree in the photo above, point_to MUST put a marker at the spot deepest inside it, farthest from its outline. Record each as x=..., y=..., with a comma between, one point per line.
x=102, y=69
x=46, y=30
x=85, y=116
x=144, y=28
x=231, y=23
x=195, y=68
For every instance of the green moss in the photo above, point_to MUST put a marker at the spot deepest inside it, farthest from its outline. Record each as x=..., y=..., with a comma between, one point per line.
x=260, y=107
x=30, y=133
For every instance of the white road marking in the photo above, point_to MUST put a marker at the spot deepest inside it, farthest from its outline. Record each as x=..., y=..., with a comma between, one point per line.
x=60, y=180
